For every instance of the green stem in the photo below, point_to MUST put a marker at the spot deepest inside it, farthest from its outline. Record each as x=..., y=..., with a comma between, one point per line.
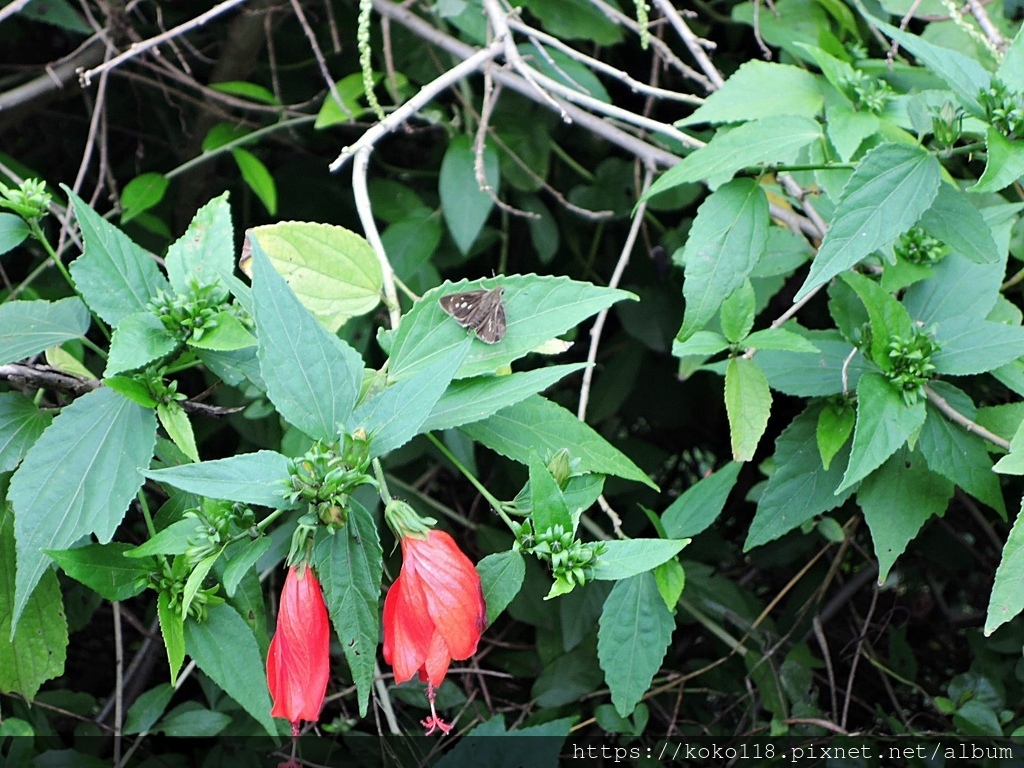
x=571, y=162
x=809, y=167
x=382, y=485
x=261, y=526
x=966, y=149
x=495, y=504
x=146, y=514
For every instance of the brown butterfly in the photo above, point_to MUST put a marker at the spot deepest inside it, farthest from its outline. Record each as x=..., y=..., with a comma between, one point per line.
x=481, y=311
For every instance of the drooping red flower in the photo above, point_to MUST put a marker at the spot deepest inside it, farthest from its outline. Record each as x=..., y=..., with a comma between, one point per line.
x=433, y=613
x=299, y=661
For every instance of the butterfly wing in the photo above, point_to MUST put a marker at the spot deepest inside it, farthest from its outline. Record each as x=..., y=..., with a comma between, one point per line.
x=462, y=306
x=481, y=311
x=491, y=329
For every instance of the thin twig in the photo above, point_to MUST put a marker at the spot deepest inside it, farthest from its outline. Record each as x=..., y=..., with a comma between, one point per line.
x=361, y=192
x=319, y=56
x=692, y=42
x=118, y=681
x=480, y=143
x=958, y=418
x=13, y=8
x=139, y=48
x=997, y=41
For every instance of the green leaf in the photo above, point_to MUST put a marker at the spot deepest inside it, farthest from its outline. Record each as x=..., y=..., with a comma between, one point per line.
x=957, y=289
x=348, y=563
x=228, y=335
x=957, y=454
x=1007, y=598
x=139, y=338
x=250, y=91
x=847, y=128
x=737, y=313
x=575, y=20
x=563, y=69
x=625, y=558
x=968, y=346
x=395, y=415
x=748, y=403
x=142, y=193
x=333, y=271
x=671, y=580
x=829, y=372
x=800, y=487
x=175, y=422
x=893, y=185
x=957, y=223
x=538, y=424
x=252, y=478
x=242, y=561
x=21, y=424
x=776, y=139
x=537, y=310
x=469, y=400
x=897, y=500
x=173, y=630
x=835, y=425
x=547, y=506
x=501, y=576
x=172, y=540
x=313, y=377
x=888, y=317
x=779, y=339
x=884, y=423
x=193, y=721
x=1005, y=163
x=194, y=582
x=13, y=231
x=726, y=240
x=753, y=92
x=701, y=504
x=352, y=93
x=104, y=568
x=114, y=275
x=147, y=709
x=240, y=673
x=37, y=650
x=206, y=250
x=136, y=391
x=635, y=630
x=101, y=440
x=29, y=327
x=259, y=179
x=466, y=206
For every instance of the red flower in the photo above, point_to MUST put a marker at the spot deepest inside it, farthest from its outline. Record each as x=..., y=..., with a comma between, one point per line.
x=433, y=613
x=299, y=661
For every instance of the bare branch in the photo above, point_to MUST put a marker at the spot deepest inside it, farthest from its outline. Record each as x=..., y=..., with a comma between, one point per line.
x=693, y=43
x=15, y=7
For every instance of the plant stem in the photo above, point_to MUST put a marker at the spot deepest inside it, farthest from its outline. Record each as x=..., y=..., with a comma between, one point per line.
x=382, y=485
x=495, y=504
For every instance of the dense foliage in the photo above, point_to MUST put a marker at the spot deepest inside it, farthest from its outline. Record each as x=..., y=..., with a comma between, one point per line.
x=729, y=417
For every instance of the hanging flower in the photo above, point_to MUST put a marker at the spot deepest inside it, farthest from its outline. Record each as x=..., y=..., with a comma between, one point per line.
x=433, y=613
x=299, y=662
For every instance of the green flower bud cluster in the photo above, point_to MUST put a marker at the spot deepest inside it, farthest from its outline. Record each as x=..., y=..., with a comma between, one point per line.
x=572, y=561
x=867, y=93
x=30, y=200
x=191, y=315
x=912, y=366
x=171, y=581
x=216, y=523
x=947, y=124
x=1004, y=109
x=918, y=247
x=325, y=477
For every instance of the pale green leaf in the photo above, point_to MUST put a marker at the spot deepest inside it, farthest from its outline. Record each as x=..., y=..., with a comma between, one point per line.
x=252, y=478
x=753, y=92
x=547, y=505
x=29, y=327
x=258, y=178
x=748, y=403
x=700, y=344
x=173, y=630
x=1005, y=163
x=142, y=193
x=701, y=504
x=969, y=346
x=1007, y=598
x=13, y=231
x=21, y=424
x=242, y=561
x=624, y=558
x=138, y=339
x=961, y=226
x=206, y=250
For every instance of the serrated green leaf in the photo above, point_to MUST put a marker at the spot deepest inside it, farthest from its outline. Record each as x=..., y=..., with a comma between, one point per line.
x=21, y=424
x=748, y=402
x=537, y=310
x=701, y=504
x=13, y=231
x=776, y=139
x=501, y=577
x=957, y=289
x=105, y=569
x=349, y=566
x=753, y=92
x=114, y=275
x=466, y=206
x=847, y=128
x=313, y=377
x=547, y=506
x=78, y=479
x=175, y=422
x=228, y=335
x=332, y=270
x=831, y=371
x=635, y=630
x=892, y=186
x=147, y=709
x=142, y=193
x=835, y=425
x=37, y=649
x=395, y=415
x=1007, y=598
x=172, y=540
x=779, y=339
x=252, y=478
x=240, y=673
x=258, y=178
x=953, y=220
x=800, y=487
x=737, y=313
x=469, y=400
x=884, y=423
x=625, y=558
x=29, y=327
x=138, y=339
x=242, y=560
x=700, y=344
x=968, y=346
x=173, y=631
x=726, y=240
x=205, y=250
x=1005, y=163
x=540, y=425
x=136, y=391
x=897, y=500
